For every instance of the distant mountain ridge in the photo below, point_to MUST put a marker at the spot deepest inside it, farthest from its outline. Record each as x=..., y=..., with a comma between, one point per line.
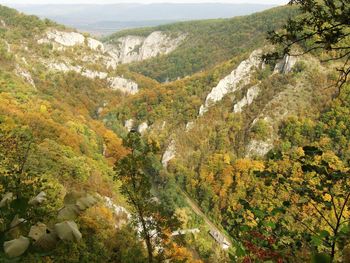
x=122, y=16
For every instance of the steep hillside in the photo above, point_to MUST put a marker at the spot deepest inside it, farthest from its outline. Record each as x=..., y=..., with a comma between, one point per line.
x=222, y=138
x=207, y=42
x=54, y=152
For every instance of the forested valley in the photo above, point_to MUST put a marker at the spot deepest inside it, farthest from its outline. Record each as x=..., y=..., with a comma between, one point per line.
x=222, y=140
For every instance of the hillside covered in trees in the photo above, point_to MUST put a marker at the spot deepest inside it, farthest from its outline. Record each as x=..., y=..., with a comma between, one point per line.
x=178, y=143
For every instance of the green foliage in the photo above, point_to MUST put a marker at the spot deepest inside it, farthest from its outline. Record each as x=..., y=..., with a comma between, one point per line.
x=127, y=247
x=22, y=26
x=321, y=26
x=261, y=130
x=135, y=171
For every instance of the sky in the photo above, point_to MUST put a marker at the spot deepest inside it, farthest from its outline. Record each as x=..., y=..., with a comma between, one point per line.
x=15, y=2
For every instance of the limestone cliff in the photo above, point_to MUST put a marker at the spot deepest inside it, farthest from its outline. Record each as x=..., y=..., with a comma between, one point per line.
x=231, y=83
x=137, y=48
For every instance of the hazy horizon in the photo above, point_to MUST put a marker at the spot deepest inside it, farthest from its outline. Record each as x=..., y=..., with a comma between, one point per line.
x=110, y=16
x=107, y=2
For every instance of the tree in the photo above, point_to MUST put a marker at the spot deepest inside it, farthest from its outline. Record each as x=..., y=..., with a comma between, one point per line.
x=17, y=185
x=314, y=190
x=322, y=25
x=135, y=171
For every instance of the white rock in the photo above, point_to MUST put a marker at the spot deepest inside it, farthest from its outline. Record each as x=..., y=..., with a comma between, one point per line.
x=185, y=231
x=285, y=65
x=63, y=67
x=8, y=46
x=95, y=44
x=124, y=85
x=118, y=210
x=231, y=83
x=67, y=39
x=25, y=75
x=2, y=22
x=16, y=247
x=189, y=126
x=127, y=49
x=68, y=230
x=16, y=221
x=94, y=74
x=41, y=197
x=159, y=43
x=129, y=124
x=142, y=127
x=6, y=199
x=169, y=154
x=136, y=48
x=37, y=231
x=248, y=99
x=24, y=61
x=259, y=148
x=163, y=125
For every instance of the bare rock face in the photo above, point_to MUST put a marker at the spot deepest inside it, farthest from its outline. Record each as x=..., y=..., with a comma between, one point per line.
x=67, y=39
x=95, y=44
x=27, y=77
x=8, y=46
x=189, y=126
x=127, y=49
x=285, y=65
x=116, y=83
x=159, y=43
x=116, y=208
x=65, y=67
x=70, y=39
x=143, y=127
x=129, y=124
x=136, y=48
x=259, y=147
x=124, y=85
x=231, y=83
x=2, y=23
x=169, y=154
x=248, y=99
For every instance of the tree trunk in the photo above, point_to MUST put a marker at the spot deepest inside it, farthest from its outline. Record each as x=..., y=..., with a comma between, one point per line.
x=147, y=240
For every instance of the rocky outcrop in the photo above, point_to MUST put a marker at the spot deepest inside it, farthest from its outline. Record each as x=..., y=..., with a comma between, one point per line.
x=143, y=127
x=189, y=126
x=67, y=39
x=124, y=85
x=259, y=148
x=136, y=48
x=285, y=65
x=248, y=99
x=120, y=212
x=65, y=67
x=129, y=124
x=8, y=46
x=231, y=83
x=128, y=49
x=25, y=75
x=116, y=83
x=95, y=44
x=70, y=39
x=169, y=154
x=159, y=43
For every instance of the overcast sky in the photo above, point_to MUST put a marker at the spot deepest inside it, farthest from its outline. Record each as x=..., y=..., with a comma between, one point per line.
x=14, y=2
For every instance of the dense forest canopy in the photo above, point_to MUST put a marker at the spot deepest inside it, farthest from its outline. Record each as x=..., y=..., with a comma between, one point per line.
x=89, y=173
